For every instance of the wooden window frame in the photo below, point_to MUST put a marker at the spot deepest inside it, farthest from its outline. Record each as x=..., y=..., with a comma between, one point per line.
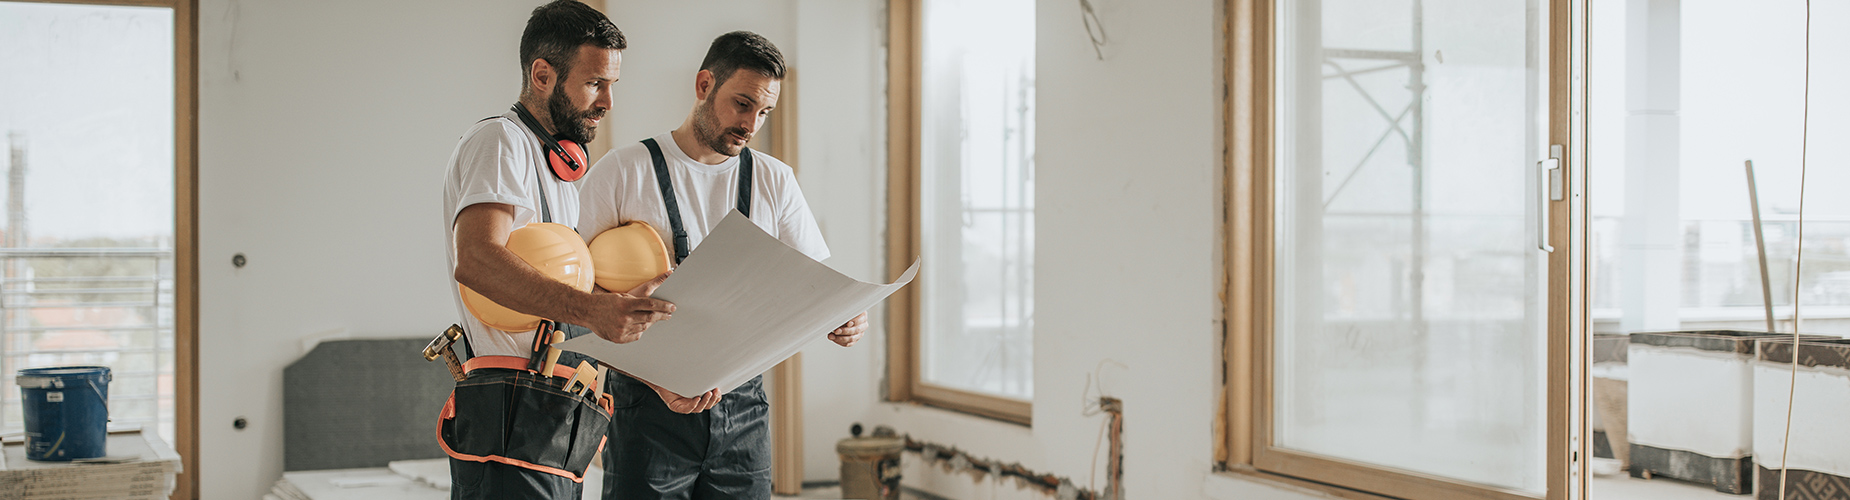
x=185, y=231
x=904, y=382
x=1243, y=445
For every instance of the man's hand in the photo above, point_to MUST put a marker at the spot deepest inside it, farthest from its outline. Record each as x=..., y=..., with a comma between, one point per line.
x=849, y=332
x=679, y=404
x=622, y=317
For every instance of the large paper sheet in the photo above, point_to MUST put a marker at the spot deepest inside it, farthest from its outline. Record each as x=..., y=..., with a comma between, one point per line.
x=743, y=303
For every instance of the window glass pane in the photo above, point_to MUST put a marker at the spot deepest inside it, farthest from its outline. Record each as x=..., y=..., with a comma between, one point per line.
x=977, y=195
x=86, y=116
x=1409, y=288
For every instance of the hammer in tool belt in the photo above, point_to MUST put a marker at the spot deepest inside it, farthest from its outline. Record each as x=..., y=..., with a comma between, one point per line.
x=444, y=346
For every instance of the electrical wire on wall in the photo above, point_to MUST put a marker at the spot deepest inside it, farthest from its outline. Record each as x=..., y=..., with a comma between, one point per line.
x=1112, y=426
x=1095, y=30
x=1798, y=258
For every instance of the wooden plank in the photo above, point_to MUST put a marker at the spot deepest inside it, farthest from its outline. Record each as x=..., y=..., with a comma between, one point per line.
x=784, y=121
x=902, y=205
x=787, y=468
x=186, y=246
x=1246, y=69
x=787, y=426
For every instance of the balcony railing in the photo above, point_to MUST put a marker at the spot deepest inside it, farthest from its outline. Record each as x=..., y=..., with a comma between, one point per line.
x=91, y=306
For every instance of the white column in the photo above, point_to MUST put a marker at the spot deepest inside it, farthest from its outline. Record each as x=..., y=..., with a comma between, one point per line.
x=1652, y=232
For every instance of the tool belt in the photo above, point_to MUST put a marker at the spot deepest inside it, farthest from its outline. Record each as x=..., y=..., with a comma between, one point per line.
x=505, y=410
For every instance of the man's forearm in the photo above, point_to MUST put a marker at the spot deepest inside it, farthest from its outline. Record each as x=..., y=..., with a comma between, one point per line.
x=501, y=276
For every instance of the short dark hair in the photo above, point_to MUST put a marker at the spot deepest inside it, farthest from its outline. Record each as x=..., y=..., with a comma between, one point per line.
x=557, y=29
x=742, y=50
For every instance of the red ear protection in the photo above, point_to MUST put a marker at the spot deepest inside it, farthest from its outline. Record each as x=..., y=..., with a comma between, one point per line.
x=568, y=160
x=567, y=157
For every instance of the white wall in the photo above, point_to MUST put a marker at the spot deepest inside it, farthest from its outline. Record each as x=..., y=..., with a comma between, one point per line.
x=324, y=128
x=667, y=42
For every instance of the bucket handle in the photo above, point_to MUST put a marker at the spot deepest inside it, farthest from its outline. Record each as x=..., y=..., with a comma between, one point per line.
x=99, y=395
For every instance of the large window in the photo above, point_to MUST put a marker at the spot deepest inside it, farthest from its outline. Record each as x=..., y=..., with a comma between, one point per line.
x=96, y=261
x=88, y=256
x=964, y=159
x=1400, y=281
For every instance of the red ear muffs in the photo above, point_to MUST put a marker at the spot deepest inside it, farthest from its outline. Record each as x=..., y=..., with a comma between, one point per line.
x=568, y=161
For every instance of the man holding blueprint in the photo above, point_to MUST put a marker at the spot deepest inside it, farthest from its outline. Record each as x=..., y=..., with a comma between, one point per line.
x=683, y=183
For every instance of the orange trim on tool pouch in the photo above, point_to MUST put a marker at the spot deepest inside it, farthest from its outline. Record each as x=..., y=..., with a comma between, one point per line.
x=512, y=363
x=449, y=412
x=519, y=363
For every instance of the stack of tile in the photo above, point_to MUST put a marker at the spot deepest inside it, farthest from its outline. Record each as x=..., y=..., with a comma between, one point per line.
x=1691, y=408
x=1817, y=462
x=1610, y=376
x=139, y=466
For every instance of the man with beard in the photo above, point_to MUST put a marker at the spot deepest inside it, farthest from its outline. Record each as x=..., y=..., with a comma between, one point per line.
x=702, y=171
x=503, y=434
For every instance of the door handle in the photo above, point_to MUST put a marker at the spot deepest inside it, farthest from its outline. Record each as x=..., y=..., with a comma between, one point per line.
x=1549, y=177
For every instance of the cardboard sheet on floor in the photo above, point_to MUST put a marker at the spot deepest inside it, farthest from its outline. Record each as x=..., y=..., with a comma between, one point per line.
x=744, y=302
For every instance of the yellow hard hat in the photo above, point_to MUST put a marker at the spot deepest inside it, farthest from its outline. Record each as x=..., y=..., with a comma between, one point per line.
x=628, y=255
x=552, y=249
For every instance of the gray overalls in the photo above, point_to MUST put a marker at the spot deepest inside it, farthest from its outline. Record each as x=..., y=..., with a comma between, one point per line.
x=721, y=453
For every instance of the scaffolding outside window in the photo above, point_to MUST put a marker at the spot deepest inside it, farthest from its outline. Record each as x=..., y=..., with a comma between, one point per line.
x=1409, y=295
x=961, y=99
x=977, y=196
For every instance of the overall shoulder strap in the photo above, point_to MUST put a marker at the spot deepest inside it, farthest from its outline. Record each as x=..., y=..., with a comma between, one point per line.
x=668, y=199
x=745, y=182
x=545, y=208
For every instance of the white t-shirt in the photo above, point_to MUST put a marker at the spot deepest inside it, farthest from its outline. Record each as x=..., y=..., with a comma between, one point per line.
x=622, y=188
x=497, y=161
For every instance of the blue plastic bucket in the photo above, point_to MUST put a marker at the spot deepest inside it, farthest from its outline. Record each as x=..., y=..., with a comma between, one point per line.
x=66, y=410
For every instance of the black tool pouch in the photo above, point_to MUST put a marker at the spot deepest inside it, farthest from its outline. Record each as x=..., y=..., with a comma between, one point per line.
x=522, y=419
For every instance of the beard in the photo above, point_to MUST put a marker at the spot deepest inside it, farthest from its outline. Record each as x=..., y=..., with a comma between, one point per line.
x=707, y=131
x=571, y=123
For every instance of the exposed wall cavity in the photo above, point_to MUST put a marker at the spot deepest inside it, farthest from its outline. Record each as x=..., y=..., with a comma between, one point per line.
x=953, y=460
